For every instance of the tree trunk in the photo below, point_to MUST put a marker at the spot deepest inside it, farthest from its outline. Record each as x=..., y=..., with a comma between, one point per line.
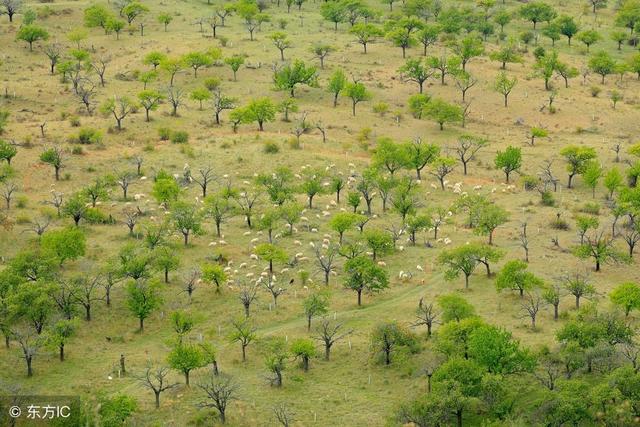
x=186, y=378
x=244, y=353
x=29, y=359
x=466, y=282
x=327, y=351
x=359, y=297
x=141, y=324
x=555, y=312
x=157, y=393
x=62, y=352
x=87, y=309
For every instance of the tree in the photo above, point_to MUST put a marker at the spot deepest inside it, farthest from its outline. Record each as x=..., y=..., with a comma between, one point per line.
x=365, y=33
x=489, y=218
x=577, y=158
x=185, y=358
x=365, y=275
x=427, y=315
x=455, y=308
x=589, y=37
x=427, y=36
x=244, y=333
x=390, y=337
x=219, y=208
x=337, y=83
x=458, y=381
x=197, y=60
x=165, y=189
x=507, y=54
x=75, y=207
x=325, y=259
x=321, y=51
x=357, y=92
x=166, y=260
x=276, y=360
x=578, y=286
x=214, y=274
x=591, y=176
x=602, y=63
x=442, y=166
x=11, y=7
x=186, y=219
x=514, y=276
x=419, y=155
x=291, y=75
x=303, y=349
x=60, y=333
x=7, y=151
x=464, y=81
x=261, y=110
x=495, y=349
x=401, y=38
x=119, y=107
x=467, y=148
x=379, y=242
x=281, y=42
x=155, y=379
x=132, y=10
x=150, y=100
x=600, y=248
x=32, y=303
x=333, y=12
x=55, y=157
x=220, y=391
x=509, y=160
x=463, y=259
x=64, y=244
x=537, y=11
x=142, y=299
x=234, y=62
x=314, y=305
x=329, y=333
x=165, y=19
x=468, y=48
x=504, y=85
x=442, y=112
x=627, y=296
x=415, y=70
x=31, y=34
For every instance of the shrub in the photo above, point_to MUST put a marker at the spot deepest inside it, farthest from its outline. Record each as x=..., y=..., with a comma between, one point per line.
x=164, y=134
x=547, y=198
x=595, y=91
x=87, y=136
x=179, y=137
x=294, y=143
x=22, y=201
x=74, y=121
x=592, y=208
x=559, y=223
x=96, y=216
x=271, y=147
x=529, y=182
x=77, y=150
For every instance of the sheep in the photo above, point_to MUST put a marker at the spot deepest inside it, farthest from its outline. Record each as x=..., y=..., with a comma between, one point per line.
x=243, y=265
x=382, y=263
x=299, y=254
x=313, y=245
x=247, y=233
x=297, y=242
x=222, y=242
x=419, y=267
x=253, y=256
x=213, y=243
x=255, y=240
x=314, y=230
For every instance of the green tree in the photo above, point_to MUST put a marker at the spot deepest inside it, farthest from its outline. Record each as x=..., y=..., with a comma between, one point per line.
x=602, y=63
x=416, y=70
x=509, y=160
x=365, y=34
x=567, y=26
x=591, y=176
x=514, y=276
x=75, y=207
x=401, y=38
x=504, y=85
x=337, y=83
x=214, y=274
x=31, y=34
x=166, y=260
x=489, y=218
x=64, y=244
x=589, y=37
x=165, y=19
x=303, y=349
x=379, y=242
x=60, y=333
x=463, y=259
x=244, y=333
x=143, y=298
x=97, y=16
x=197, y=60
x=467, y=48
x=455, y=308
x=442, y=112
x=234, y=62
x=627, y=296
x=537, y=11
x=119, y=107
x=114, y=411
x=133, y=9
x=291, y=75
x=187, y=219
x=55, y=157
x=261, y=111
x=389, y=338
x=314, y=305
x=365, y=275
x=612, y=181
x=333, y=12
x=150, y=100
x=508, y=54
x=165, y=190
x=276, y=360
x=343, y=221
x=358, y=92
x=495, y=349
x=185, y=358
x=32, y=303
x=577, y=158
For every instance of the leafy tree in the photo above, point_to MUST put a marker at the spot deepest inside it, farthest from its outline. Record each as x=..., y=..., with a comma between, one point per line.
x=389, y=338
x=591, y=176
x=427, y=36
x=379, y=242
x=321, y=51
x=32, y=303
x=261, y=110
x=489, y=218
x=150, y=100
x=214, y=274
x=31, y=34
x=133, y=9
x=333, y=12
x=187, y=219
x=365, y=34
x=577, y=158
x=495, y=349
x=504, y=85
x=303, y=349
x=419, y=155
x=455, y=308
x=55, y=157
x=165, y=19
x=514, y=275
x=166, y=260
x=358, y=92
x=365, y=275
x=589, y=37
x=276, y=360
x=154, y=58
x=291, y=75
x=271, y=253
x=343, y=221
x=509, y=160
x=401, y=38
x=602, y=63
x=281, y=42
x=64, y=244
x=75, y=207
x=537, y=11
x=119, y=108
x=463, y=259
x=165, y=190
x=468, y=48
x=467, y=148
x=627, y=296
x=60, y=333
x=315, y=304
x=114, y=411
x=567, y=26
x=417, y=71
x=458, y=380
x=142, y=299
x=337, y=83
x=185, y=358
x=442, y=112
x=507, y=54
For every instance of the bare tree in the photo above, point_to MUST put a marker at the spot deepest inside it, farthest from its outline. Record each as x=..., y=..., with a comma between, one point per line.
x=123, y=179
x=246, y=203
x=220, y=391
x=325, y=259
x=85, y=292
x=524, y=241
x=549, y=370
x=155, y=379
x=190, y=282
x=631, y=235
x=100, y=66
x=138, y=161
x=531, y=305
x=54, y=53
x=206, y=176
x=631, y=352
x=426, y=315
x=329, y=333
x=39, y=226
x=467, y=148
x=616, y=149
x=323, y=130
x=8, y=189
x=547, y=176
x=175, y=97
x=283, y=414
x=248, y=294
x=273, y=288
x=30, y=344
x=86, y=91
x=130, y=219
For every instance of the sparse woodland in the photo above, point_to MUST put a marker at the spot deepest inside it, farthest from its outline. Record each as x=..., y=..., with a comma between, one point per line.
x=332, y=213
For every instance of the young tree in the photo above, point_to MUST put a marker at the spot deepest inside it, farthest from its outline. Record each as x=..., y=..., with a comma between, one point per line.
x=315, y=305
x=537, y=11
x=337, y=83
x=185, y=358
x=119, y=108
x=504, y=85
x=489, y=218
x=303, y=349
x=578, y=285
x=155, y=379
x=244, y=333
x=388, y=338
x=365, y=34
x=234, y=62
x=276, y=360
x=627, y=296
x=467, y=48
x=55, y=157
x=514, y=276
x=187, y=219
x=509, y=160
x=508, y=54
x=357, y=92
x=463, y=259
x=260, y=110
x=442, y=112
x=321, y=51
x=442, y=166
x=31, y=34
x=329, y=333
x=142, y=299
x=577, y=158
x=365, y=275
x=165, y=19
x=60, y=333
x=600, y=248
x=416, y=70
x=281, y=42
x=467, y=148
x=602, y=63
x=589, y=37
x=291, y=75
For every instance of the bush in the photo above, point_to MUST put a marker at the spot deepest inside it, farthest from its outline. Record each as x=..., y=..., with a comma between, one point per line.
x=539, y=52
x=77, y=150
x=271, y=147
x=559, y=224
x=22, y=201
x=547, y=198
x=96, y=216
x=87, y=136
x=591, y=208
x=529, y=182
x=74, y=121
x=294, y=143
x=595, y=91
x=381, y=108
x=179, y=137
x=164, y=134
